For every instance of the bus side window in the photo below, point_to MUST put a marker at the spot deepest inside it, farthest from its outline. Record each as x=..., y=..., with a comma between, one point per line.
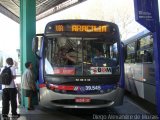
x=125, y=53
x=147, y=56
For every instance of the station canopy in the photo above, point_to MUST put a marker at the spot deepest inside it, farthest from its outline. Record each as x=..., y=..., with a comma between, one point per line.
x=44, y=8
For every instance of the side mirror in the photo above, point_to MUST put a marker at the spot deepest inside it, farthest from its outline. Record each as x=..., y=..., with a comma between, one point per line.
x=125, y=53
x=124, y=50
x=35, y=44
x=35, y=47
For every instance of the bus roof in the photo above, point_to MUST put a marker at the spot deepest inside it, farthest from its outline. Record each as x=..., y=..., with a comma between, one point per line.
x=80, y=21
x=137, y=36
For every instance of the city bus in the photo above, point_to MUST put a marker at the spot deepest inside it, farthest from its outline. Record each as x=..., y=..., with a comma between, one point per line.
x=80, y=64
x=139, y=66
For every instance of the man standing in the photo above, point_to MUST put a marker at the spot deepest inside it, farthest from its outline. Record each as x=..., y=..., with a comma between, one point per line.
x=9, y=93
x=28, y=84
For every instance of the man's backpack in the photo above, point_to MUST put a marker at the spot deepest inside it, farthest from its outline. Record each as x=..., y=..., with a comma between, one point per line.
x=6, y=76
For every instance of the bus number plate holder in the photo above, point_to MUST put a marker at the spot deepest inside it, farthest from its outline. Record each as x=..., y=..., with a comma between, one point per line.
x=82, y=100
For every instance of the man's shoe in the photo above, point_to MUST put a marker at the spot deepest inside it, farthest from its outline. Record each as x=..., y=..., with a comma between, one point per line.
x=31, y=108
x=4, y=116
x=16, y=115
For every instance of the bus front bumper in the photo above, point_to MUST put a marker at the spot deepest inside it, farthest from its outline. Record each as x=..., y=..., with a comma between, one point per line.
x=49, y=98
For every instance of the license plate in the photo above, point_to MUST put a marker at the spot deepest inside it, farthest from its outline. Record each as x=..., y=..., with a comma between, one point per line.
x=82, y=100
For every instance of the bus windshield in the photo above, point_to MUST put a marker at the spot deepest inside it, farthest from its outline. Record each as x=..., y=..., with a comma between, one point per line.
x=81, y=56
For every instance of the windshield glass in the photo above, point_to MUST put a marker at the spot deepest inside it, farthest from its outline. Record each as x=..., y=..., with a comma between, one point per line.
x=81, y=56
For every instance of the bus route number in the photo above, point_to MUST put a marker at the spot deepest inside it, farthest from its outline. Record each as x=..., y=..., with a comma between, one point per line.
x=59, y=28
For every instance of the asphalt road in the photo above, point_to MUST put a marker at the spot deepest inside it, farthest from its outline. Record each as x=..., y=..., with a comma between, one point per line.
x=130, y=110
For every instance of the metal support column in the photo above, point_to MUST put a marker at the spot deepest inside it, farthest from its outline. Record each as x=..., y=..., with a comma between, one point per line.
x=27, y=32
x=156, y=44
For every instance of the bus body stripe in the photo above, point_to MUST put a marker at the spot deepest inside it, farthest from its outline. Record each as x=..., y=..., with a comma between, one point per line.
x=62, y=87
x=42, y=85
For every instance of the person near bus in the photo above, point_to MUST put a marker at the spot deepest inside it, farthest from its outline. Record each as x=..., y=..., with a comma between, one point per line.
x=9, y=93
x=65, y=57
x=98, y=59
x=28, y=84
x=147, y=56
x=98, y=54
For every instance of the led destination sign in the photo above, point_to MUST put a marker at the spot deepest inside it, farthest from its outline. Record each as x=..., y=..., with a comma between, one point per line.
x=79, y=28
x=89, y=28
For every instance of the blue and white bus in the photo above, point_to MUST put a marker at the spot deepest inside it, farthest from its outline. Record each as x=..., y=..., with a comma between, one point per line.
x=140, y=66
x=71, y=74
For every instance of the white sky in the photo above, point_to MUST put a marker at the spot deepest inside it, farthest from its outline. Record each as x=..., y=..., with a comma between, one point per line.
x=9, y=35
x=9, y=30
